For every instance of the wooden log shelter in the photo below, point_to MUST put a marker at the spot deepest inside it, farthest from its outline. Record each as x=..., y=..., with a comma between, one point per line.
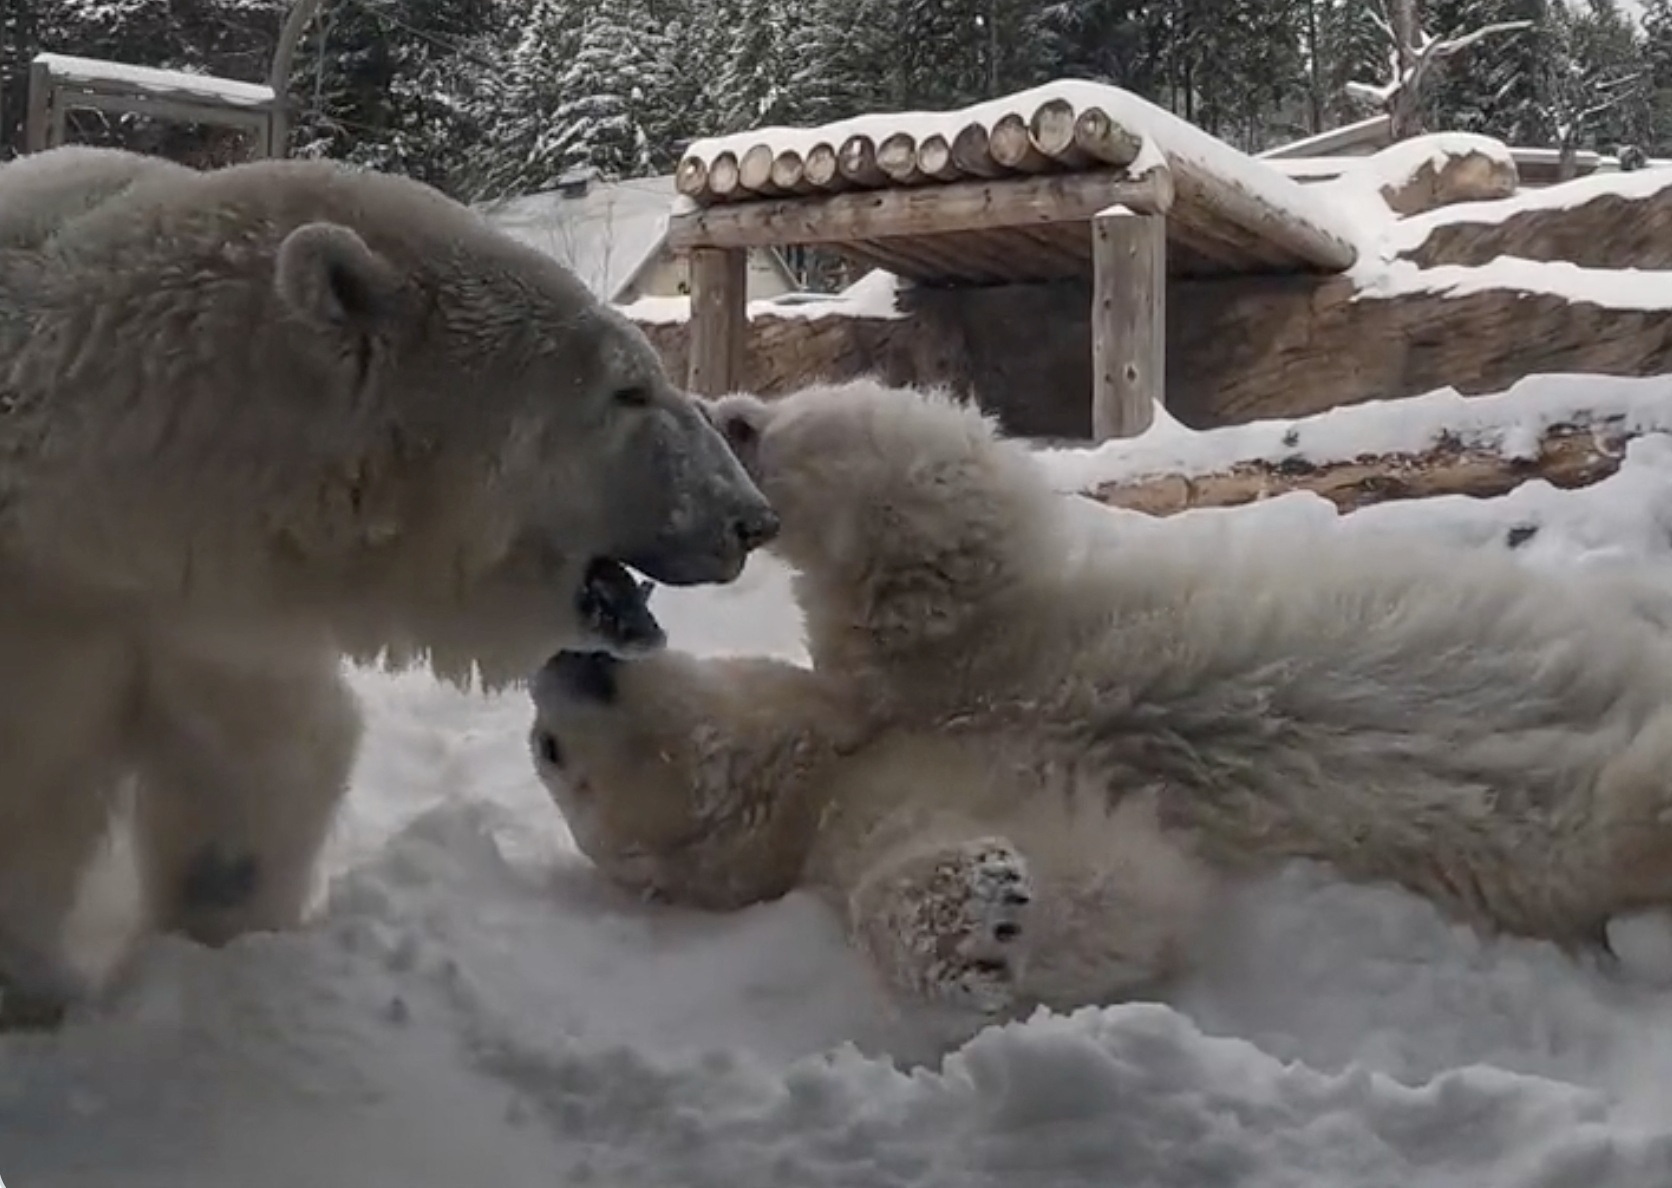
x=1065, y=181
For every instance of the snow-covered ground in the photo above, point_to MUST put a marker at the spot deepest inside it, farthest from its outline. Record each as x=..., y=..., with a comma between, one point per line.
x=475, y=1006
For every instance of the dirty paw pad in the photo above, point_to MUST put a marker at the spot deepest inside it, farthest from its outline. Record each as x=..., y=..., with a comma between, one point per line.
x=976, y=907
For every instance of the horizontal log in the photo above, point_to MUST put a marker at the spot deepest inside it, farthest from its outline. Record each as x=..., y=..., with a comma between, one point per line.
x=1099, y=137
x=820, y=168
x=1569, y=455
x=856, y=160
x=934, y=159
x=723, y=180
x=1011, y=146
x=754, y=169
x=897, y=158
x=691, y=178
x=972, y=154
x=919, y=211
x=789, y=173
x=1052, y=131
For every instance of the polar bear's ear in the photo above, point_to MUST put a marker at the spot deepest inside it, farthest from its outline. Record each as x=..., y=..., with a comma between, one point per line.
x=327, y=274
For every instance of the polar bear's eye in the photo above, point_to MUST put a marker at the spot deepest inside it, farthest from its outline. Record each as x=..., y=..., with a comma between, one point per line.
x=635, y=396
x=550, y=752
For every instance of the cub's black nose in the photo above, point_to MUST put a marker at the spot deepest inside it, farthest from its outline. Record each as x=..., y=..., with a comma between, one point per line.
x=756, y=529
x=588, y=675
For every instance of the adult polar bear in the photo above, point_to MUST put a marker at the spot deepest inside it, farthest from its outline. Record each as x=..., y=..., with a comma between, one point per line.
x=1024, y=770
x=251, y=419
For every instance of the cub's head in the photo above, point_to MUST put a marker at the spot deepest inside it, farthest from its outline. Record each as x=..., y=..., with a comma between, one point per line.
x=685, y=777
x=904, y=507
x=500, y=413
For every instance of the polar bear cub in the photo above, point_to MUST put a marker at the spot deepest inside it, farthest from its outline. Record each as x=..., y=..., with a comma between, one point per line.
x=723, y=782
x=1116, y=732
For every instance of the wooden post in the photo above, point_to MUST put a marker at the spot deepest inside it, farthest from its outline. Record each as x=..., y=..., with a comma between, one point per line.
x=719, y=319
x=38, y=113
x=1128, y=320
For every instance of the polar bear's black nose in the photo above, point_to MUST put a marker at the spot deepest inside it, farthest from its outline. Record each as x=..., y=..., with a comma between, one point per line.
x=756, y=528
x=587, y=675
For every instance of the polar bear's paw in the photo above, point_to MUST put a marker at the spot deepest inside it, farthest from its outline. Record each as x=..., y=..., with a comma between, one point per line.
x=951, y=924
x=996, y=893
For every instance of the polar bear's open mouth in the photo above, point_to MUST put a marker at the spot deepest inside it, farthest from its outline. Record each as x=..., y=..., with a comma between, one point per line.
x=614, y=607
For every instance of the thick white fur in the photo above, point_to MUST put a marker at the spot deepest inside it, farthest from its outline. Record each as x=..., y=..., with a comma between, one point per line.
x=1136, y=725
x=253, y=419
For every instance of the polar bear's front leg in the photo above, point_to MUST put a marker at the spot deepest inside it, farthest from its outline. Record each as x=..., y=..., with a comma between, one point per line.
x=947, y=923
x=244, y=757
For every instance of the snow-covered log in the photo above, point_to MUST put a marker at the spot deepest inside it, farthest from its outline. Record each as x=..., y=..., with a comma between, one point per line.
x=1568, y=455
x=1426, y=172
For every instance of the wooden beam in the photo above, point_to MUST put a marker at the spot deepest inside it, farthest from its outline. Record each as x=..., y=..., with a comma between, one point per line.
x=1128, y=321
x=719, y=319
x=920, y=211
x=1206, y=197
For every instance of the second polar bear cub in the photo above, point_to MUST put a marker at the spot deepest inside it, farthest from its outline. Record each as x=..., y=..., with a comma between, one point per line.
x=1023, y=768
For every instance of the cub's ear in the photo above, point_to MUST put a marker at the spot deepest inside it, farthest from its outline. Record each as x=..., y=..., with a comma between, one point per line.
x=740, y=419
x=327, y=274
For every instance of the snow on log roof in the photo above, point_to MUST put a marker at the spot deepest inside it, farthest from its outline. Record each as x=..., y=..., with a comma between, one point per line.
x=92, y=72
x=706, y=172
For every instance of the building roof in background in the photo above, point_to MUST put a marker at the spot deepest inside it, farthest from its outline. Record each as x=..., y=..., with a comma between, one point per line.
x=604, y=231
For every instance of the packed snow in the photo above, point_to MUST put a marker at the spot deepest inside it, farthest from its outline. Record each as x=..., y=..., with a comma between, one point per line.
x=475, y=1005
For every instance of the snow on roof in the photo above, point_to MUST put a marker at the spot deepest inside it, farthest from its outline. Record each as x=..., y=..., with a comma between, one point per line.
x=1175, y=137
x=606, y=236
x=146, y=78
x=1324, y=144
x=871, y=296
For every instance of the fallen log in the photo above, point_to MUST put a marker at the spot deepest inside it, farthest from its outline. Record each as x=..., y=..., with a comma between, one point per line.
x=1569, y=456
